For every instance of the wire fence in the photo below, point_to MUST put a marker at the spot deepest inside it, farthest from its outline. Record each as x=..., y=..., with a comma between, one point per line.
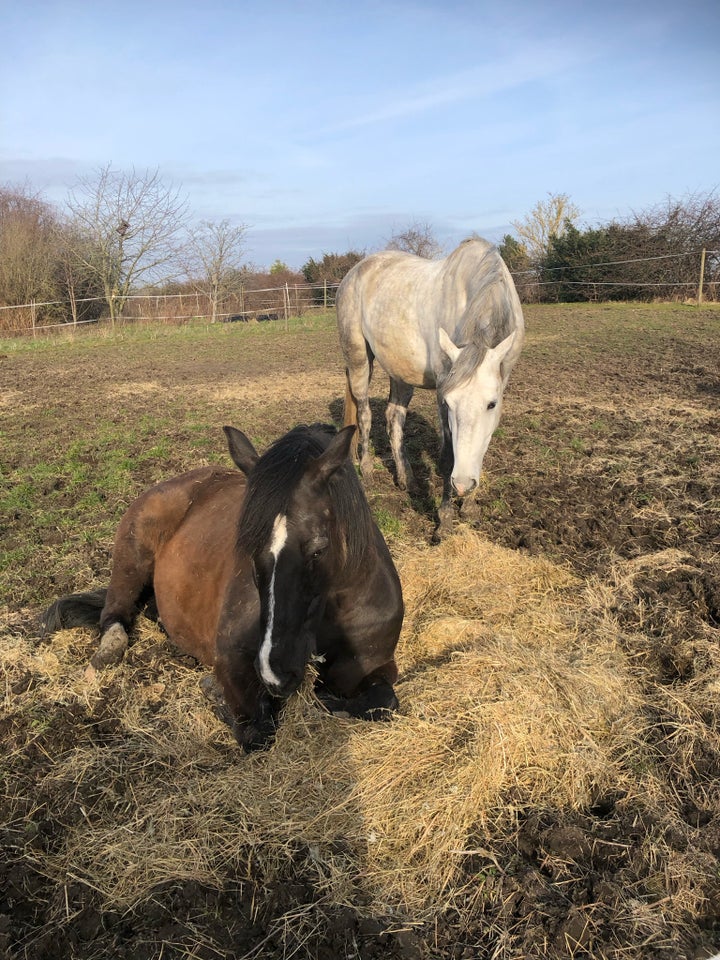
x=247, y=305
x=621, y=279
x=688, y=275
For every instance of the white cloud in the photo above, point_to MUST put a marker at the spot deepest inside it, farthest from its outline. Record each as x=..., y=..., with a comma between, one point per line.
x=491, y=79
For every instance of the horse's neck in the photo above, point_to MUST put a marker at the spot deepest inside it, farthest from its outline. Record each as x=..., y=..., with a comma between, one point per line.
x=489, y=316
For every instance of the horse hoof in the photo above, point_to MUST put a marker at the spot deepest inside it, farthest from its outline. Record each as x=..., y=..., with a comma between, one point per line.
x=367, y=468
x=470, y=510
x=411, y=487
x=251, y=739
x=212, y=691
x=113, y=644
x=442, y=530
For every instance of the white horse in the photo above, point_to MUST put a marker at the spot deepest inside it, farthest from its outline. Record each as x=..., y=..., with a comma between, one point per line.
x=453, y=325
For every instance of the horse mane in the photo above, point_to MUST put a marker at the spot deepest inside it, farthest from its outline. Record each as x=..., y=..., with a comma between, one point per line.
x=489, y=316
x=277, y=474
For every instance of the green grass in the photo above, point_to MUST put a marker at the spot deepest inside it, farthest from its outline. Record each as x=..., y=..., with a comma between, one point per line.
x=390, y=525
x=96, y=336
x=80, y=438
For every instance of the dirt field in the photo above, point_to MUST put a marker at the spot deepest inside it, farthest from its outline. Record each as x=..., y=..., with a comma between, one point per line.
x=591, y=558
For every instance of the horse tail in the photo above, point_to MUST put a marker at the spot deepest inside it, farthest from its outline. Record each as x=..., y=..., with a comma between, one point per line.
x=75, y=610
x=350, y=414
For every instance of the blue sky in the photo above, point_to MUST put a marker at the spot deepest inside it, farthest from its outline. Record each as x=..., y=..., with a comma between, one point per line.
x=326, y=126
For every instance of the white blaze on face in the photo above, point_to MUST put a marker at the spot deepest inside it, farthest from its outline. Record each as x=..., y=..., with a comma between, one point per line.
x=279, y=539
x=474, y=412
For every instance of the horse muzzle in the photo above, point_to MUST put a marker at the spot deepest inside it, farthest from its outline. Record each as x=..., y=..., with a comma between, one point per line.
x=462, y=486
x=281, y=686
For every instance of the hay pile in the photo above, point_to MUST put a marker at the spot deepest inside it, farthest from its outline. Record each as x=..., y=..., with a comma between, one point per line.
x=512, y=696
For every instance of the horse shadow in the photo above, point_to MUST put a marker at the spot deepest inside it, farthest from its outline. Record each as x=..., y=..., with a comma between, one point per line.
x=422, y=446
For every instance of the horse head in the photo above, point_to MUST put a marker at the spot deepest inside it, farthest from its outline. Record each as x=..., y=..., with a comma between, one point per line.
x=288, y=528
x=472, y=392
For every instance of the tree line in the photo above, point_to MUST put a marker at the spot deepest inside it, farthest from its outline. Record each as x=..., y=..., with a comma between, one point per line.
x=652, y=254
x=123, y=234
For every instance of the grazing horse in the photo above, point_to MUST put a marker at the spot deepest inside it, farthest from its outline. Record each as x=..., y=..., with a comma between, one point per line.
x=453, y=325
x=255, y=574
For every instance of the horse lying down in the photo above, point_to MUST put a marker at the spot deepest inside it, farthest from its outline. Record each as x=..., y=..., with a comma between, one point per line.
x=256, y=573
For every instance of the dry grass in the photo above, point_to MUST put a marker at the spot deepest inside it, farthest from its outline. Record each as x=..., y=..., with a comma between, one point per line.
x=512, y=697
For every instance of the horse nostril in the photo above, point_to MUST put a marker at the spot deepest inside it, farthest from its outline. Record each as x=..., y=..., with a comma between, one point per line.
x=463, y=487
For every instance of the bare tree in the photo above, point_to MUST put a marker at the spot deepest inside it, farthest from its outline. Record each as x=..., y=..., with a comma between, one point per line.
x=687, y=223
x=82, y=286
x=547, y=219
x=27, y=248
x=129, y=224
x=213, y=260
x=416, y=238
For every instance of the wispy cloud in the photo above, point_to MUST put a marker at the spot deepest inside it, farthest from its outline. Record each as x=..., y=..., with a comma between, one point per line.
x=488, y=80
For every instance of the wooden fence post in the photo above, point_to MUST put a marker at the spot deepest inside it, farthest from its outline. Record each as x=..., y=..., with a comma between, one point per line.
x=702, y=276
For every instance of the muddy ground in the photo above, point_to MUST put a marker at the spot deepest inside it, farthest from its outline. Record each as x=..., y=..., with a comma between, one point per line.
x=607, y=461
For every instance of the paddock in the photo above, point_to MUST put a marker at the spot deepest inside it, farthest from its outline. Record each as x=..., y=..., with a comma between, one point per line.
x=550, y=785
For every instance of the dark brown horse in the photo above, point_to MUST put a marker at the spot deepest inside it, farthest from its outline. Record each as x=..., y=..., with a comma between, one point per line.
x=255, y=574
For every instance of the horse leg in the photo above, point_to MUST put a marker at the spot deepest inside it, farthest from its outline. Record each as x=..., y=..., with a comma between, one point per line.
x=213, y=693
x=358, y=377
x=378, y=702
x=470, y=508
x=446, y=461
x=374, y=698
x=130, y=587
x=242, y=702
x=400, y=397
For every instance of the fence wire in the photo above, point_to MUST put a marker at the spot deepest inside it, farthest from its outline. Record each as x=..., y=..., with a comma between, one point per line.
x=274, y=303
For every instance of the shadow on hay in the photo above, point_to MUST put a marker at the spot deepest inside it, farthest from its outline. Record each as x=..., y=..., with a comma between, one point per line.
x=422, y=446
x=430, y=663
x=275, y=890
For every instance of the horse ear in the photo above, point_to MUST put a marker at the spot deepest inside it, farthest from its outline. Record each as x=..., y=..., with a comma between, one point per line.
x=447, y=346
x=335, y=455
x=503, y=348
x=244, y=454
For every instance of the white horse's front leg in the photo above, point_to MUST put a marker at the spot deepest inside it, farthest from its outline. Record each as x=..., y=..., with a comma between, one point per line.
x=395, y=415
x=446, y=461
x=366, y=452
x=359, y=375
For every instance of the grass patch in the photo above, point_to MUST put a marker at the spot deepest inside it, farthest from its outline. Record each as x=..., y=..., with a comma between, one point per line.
x=390, y=525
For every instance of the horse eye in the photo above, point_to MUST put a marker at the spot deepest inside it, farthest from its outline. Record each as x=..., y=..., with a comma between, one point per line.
x=316, y=550
x=492, y=405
